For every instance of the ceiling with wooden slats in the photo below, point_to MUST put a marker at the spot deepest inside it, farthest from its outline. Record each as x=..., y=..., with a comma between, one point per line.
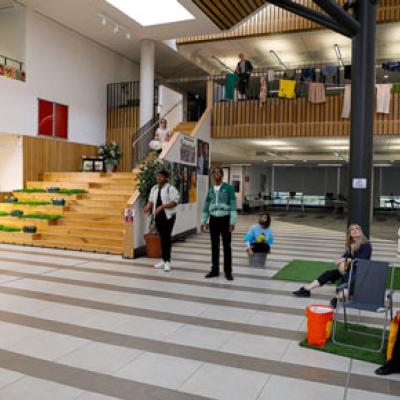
x=225, y=14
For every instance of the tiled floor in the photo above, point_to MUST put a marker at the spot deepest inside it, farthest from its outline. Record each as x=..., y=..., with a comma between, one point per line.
x=81, y=326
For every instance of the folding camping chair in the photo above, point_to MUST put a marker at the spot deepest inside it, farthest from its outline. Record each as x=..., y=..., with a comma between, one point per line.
x=367, y=292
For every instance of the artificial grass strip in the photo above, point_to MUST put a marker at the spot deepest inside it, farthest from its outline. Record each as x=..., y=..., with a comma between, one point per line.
x=303, y=270
x=4, y=228
x=42, y=216
x=31, y=190
x=4, y=213
x=34, y=203
x=307, y=271
x=72, y=191
x=354, y=339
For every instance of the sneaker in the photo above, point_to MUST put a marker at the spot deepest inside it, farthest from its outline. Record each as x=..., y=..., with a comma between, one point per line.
x=160, y=265
x=333, y=302
x=212, y=274
x=167, y=266
x=302, y=292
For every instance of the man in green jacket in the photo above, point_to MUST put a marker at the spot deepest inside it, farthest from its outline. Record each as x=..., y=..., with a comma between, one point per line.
x=220, y=209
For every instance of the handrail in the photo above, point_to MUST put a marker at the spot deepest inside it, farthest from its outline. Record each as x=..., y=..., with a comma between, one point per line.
x=155, y=123
x=139, y=145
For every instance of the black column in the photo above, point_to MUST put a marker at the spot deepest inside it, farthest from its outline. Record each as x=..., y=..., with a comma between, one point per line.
x=362, y=113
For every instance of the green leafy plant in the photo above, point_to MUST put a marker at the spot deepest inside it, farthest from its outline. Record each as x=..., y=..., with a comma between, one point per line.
x=72, y=191
x=4, y=228
x=43, y=216
x=29, y=190
x=110, y=153
x=33, y=203
x=10, y=199
x=17, y=213
x=147, y=177
x=29, y=229
x=4, y=213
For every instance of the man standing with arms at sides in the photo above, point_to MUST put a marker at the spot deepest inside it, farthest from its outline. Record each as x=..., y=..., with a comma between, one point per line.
x=220, y=208
x=244, y=69
x=162, y=203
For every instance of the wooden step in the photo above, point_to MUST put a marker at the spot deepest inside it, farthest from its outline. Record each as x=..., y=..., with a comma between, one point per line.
x=112, y=204
x=90, y=223
x=108, y=196
x=87, y=176
x=92, y=217
x=112, y=186
x=23, y=196
x=63, y=185
x=29, y=209
x=21, y=222
x=80, y=240
x=79, y=247
x=87, y=232
x=95, y=210
x=18, y=237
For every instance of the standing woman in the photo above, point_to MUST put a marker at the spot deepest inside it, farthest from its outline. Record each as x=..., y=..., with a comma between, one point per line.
x=163, y=134
x=357, y=247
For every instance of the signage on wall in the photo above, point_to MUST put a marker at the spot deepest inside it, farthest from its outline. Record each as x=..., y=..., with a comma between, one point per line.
x=359, y=183
x=188, y=150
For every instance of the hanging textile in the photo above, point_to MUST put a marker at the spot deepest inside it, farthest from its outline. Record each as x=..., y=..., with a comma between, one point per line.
x=346, y=102
x=307, y=75
x=271, y=75
x=347, y=72
x=391, y=65
x=330, y=74
x=230, y=85
x=289, y=74
x=263, y=89
x=287, y=89
x=383, y=92
x=316, y=93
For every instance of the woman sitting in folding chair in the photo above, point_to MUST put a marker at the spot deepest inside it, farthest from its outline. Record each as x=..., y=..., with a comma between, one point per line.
x=357, y=247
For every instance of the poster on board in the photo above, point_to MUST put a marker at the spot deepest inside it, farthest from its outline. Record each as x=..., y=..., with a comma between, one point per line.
x=188, y=150
x=203, y=157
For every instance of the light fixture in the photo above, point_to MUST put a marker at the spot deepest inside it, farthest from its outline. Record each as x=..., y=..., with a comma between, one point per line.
x=385, y=76
x=128, y=35
x=103, y=19
x=338, y=54
x=383, y=165
x=329, y=165
x=277, y=58
x=116, y=28
x=153, y=12
x=283, y=165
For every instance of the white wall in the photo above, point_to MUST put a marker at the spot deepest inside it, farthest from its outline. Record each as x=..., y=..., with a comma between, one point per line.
x=12, y=33
x=65, y=67
x=166, y=100
x=11, y=163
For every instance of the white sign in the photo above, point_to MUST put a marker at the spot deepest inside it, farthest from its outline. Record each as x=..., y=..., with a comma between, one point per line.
x=359, y=183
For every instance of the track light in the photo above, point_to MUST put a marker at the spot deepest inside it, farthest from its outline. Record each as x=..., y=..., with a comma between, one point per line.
x=116, y=28
x=128, y=35
x=103, y=20
x=277, y=58
x=338, y=54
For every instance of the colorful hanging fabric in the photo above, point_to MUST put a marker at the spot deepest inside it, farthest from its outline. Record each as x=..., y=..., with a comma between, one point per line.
x=287, y=89
x=346, y=102
x=383, y=92
x=230, y=85
x=263, y=89
x=316, y=93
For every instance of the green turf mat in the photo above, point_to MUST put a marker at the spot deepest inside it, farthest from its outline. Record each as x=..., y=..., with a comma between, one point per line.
x=307, y=271
x=353, y=339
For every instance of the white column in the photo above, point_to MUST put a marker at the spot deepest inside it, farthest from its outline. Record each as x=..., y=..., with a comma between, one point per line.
x=147, y=55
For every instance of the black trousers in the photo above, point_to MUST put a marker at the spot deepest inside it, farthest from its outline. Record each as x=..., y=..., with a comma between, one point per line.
x=329, y=276
x=164, y=228
x=243, y=83
x=219, y=226
x=395, y=361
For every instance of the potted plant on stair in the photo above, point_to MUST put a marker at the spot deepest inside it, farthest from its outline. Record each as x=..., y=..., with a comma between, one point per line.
x=147, y=179
x=111, y=155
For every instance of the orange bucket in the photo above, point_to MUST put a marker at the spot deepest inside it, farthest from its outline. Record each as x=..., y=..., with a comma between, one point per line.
x=319, y=324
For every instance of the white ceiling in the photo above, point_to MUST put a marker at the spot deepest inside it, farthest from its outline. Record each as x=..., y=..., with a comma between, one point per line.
x=299, y=150
x=83, y=16
x=295, y=49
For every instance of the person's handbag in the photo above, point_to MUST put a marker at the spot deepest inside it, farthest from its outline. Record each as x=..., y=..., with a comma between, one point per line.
x=393, y=332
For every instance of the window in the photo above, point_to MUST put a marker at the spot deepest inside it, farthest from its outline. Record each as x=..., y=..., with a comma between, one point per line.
x=53, y=119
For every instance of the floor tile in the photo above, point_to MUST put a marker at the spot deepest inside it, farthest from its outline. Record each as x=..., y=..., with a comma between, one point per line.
x=160, y=370
x=354, y=394
x=7, y=376
x=228, y=314
x=225, y=383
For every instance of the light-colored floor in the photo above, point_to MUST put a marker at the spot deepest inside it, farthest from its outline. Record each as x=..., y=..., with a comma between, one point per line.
x=79, y=326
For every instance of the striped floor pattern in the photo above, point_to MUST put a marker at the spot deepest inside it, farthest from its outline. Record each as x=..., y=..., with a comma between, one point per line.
x=79, y=326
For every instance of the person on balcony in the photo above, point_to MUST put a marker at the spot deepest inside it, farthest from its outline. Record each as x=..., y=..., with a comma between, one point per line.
x=162, y=135
x=357, y=247
x=162, y=203
x=244, y=69
x=259, y=238
x=220, y=209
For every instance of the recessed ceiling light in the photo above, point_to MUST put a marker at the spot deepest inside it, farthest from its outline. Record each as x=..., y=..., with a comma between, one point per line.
x=153, y=12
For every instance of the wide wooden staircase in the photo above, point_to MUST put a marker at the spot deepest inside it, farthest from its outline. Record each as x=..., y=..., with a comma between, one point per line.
x=92, y=220
x=185, y=127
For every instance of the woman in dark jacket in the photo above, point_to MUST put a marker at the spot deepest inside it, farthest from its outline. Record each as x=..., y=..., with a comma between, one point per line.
x=357, y=247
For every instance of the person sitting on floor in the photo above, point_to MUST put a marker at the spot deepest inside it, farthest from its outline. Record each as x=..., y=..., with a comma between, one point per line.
x=259, y=238
x=357, y=247
x=393, y=365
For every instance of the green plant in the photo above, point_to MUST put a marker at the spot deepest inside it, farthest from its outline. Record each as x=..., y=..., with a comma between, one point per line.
x=29, y=229
x=10, y=199
x=17, y=213
x=29, y=190
x=147, y=177
x=43, y=216
x=4, y=213
x=72, y=191
x=4, y=228
x=110, y=153
x=34, y=203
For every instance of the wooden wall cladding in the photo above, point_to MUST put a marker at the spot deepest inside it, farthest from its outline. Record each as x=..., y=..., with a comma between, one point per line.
x=273, y=19
x=52, y=155
x=122, y=123
x=293, y=117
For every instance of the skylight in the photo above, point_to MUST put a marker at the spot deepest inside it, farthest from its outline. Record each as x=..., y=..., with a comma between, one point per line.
x=153, y=12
